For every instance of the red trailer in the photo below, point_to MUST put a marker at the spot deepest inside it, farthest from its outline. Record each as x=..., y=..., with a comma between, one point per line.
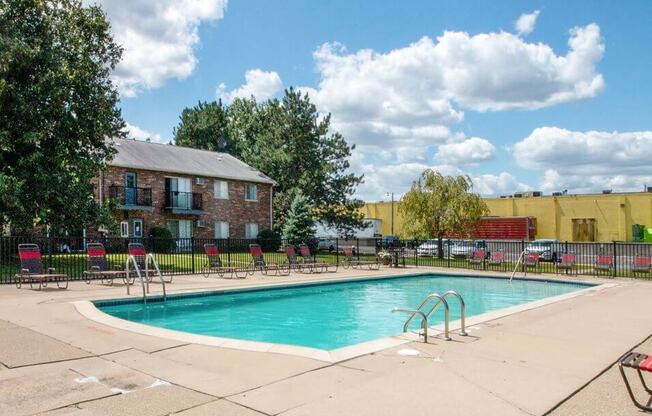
x=506, y=228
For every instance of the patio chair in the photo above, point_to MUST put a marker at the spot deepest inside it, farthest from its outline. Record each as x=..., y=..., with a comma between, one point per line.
x=32, y=270
x=642, y=265
x=99, y=266
x=214, y=264
x=258, y=262
x=137, y=251
x=531, y=260
x=477, y=257
x=639, y=362
x=293, y=260
x=309, y=259
x=497, y=258
x=567, y=263
x=350, y=261
x=603, y=263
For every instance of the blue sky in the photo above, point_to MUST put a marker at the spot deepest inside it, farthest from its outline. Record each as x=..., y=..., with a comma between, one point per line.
x=513, y=110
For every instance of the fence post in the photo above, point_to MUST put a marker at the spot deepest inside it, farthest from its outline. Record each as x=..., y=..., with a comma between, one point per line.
x=519, y=255
x=416, y=256
x=192, y=252
x=228, y=251
x=357, y=250
x=615, y=250
x=484, y=258
x=337, y=251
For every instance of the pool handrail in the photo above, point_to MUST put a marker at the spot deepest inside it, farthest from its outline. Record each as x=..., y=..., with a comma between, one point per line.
x=424, y=320
x=440, y=300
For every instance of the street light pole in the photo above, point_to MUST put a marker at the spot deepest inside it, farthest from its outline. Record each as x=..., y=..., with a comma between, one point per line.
x=392, y=195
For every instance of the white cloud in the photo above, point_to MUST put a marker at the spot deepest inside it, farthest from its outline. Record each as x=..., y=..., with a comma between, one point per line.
x=526, y=22
x=135, y=132
x=492, y=185
x=158, y=36
x=259, y=83
x=587, y=161
x=468, y=152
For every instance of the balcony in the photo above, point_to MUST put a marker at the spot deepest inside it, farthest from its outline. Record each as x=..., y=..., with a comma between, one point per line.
x=184, y=202
x=132, y=198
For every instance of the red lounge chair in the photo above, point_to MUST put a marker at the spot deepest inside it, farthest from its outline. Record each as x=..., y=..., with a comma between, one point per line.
x=497, y=258
x=603, y=263
x=531, y=260
x=567, y=263
x=642, y=264
x=639, y=362
x=293, y=260
x=350, y=261
x=137, y=251
x=258, y=262
x=310, y=260
x=214, y=264
x=99, y=266
x=31, y=269
x=477, y=257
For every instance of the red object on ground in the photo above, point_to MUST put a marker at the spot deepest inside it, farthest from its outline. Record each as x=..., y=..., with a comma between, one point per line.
x=506, y=228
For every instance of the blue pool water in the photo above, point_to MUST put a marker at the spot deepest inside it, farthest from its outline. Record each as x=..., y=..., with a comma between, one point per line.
x=329, y=315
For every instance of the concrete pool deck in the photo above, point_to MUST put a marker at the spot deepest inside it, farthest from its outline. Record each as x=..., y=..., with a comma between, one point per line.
x=554, y=358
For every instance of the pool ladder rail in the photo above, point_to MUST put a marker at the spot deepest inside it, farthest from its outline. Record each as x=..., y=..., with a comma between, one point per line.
x=425, y=316
x=144, y=283
x=519, y=262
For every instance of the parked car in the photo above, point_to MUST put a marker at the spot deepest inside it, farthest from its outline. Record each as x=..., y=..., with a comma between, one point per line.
x=390, y=241
x=466, y=248
x=546, y=248
x=430, y=248
x=325, y=244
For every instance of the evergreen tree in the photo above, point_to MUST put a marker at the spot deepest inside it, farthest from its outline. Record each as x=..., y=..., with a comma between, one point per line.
x=299, y=223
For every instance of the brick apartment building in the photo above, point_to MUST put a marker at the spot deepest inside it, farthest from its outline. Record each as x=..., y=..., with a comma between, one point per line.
x=194, y=193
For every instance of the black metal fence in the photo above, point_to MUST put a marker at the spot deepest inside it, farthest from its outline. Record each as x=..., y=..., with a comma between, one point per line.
x=186, y=256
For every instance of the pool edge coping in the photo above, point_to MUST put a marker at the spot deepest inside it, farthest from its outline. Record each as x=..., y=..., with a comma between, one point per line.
x=89, y=310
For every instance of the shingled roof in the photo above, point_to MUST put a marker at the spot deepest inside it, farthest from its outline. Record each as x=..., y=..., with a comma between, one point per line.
x=137, y=154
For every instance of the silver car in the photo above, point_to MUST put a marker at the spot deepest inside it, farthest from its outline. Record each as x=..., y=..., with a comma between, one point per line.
x=545, y=248
x=430, y=248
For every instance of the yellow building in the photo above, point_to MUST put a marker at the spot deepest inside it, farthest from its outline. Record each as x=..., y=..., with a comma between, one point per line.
x=590, y=217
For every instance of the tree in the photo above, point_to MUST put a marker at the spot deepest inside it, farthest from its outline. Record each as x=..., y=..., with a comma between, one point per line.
x=437, y=205
x=291, y=142
x=58, y=108
x=299, y=224
x=204, y=126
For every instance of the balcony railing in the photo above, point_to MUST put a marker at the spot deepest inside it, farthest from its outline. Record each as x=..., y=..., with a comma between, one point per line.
x=183, y=201
x=131, y=197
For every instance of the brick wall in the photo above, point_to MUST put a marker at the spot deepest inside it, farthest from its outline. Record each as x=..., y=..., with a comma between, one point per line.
x=235, y=210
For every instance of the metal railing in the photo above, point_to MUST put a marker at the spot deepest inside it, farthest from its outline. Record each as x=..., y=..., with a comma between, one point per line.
x=131, y=196
x=425, y=316
x=183, y=200
x=186, y=255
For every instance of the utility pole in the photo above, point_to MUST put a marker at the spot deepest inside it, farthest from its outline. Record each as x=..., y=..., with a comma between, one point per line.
x=392, y=195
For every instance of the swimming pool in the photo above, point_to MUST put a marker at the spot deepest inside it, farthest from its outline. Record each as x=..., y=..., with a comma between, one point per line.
x=328, y=315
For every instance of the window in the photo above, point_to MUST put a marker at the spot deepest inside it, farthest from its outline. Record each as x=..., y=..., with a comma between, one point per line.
x=221, y=189
x=221, y=229
x=251, y=192
x=138, y=227
x=251, y=230
x=124, y=229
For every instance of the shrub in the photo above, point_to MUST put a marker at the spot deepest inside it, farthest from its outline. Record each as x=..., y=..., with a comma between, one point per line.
x=162, y=240
x=269, y=240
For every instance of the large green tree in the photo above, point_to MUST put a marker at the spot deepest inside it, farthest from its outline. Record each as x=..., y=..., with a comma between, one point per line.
x=58, y=107
x=292, y=143
x=204, y=126
x=299, y=225
x=437, y=205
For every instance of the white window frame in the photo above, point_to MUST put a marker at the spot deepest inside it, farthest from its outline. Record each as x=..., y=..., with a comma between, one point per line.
x=220, y=227
x=218, y=188
x=255, y=188
x=124, y=229
x=248, y=227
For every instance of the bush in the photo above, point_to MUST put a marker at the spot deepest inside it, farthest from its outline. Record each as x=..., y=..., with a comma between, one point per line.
x=162, y=240
x=269, y=240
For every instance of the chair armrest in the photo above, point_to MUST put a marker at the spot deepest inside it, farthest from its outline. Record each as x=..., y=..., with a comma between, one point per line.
x=51, y=270
x=24, y=271
x=95, y=268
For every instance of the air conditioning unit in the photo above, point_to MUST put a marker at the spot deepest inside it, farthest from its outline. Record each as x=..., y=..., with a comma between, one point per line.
x=200, y=181
x=557, y=194
x=200, y=224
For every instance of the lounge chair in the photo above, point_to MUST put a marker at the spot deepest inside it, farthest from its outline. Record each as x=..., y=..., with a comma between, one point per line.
x=350, y=261
x=293, y=260
x=258, y=262
x=214, y=264
x=642, y=265
x=32, y=270
x=497, y=258
x=311, y=261
x=477, y=257
x=137, y=251
x=603, y=263
x=638, y=362
x=99, y=266
x=567, y=263
x=531, y=260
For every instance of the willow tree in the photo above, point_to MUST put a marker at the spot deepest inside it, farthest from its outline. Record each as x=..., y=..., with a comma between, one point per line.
x=438, y=205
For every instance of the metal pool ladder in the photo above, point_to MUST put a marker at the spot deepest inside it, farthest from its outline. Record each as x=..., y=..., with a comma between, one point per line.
x=425, y=316
x=518, y=263
x=144, y=283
